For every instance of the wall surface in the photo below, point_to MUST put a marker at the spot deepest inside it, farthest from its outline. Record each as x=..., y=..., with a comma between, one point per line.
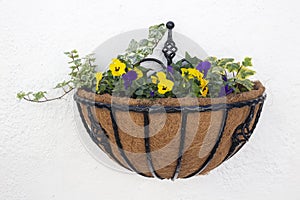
x=41, y=156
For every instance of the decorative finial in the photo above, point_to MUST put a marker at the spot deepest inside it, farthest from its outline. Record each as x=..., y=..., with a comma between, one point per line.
x=169, y=49
x=170, y=25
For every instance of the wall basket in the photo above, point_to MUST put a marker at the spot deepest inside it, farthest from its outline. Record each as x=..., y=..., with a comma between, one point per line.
x=171, y=138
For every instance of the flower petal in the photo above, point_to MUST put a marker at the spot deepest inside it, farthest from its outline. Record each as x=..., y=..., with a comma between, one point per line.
x=161, y=76
x=204, y=67
x=117, y=67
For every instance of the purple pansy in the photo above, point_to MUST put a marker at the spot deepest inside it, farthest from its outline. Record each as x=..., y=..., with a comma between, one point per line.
x=152, y=93
x=129, y=77
x=204, y=67
x=225, y=90
x=170, y=69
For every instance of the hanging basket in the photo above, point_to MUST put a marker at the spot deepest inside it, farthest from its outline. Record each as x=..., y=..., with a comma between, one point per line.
x=170, y=138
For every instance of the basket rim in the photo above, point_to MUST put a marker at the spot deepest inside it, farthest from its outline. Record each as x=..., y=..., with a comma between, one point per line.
x=256, y=93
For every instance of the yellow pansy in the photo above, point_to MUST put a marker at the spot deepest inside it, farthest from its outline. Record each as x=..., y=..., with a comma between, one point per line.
x=194, y=73
x=203, y=87
x=203, y=82
x=161, y=76
x=117, y=68
x=138, y=72
x=184, y=71
x=191, y=73
x=164, y=86
x=154, y=79
x=99, y=77
x=204, y=91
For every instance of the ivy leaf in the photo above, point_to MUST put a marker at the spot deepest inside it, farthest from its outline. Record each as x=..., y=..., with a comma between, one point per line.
x=232, y=67
x=195, y=88
x=133, y=45
x=212, y=60
x=73, y=74
x=144, y=69
x=246, y=83
x=247, y=62
x=156, y=32
x=225, y=61
x=62, y=84
x=139, y=50
x=143, y=42
x=21, y=95
x=193, y=60
x=39, y=95
x=217, y=69
x=139, y=92
x=245, y=73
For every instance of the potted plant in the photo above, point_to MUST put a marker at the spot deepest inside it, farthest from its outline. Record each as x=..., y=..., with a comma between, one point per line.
x=180, y=121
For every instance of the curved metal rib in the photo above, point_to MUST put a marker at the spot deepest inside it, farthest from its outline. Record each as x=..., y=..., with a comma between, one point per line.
x=238, y=143
x=213, y=151
x=119, y=143
x=181, y=146
x=147, y=146
x=151, y=60
x=104, y=138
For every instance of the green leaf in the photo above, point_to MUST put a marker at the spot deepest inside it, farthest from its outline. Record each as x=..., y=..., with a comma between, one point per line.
x=139, y=92
x=225, y=61
x=21, y=95
x=232, y=67
x=247, y=62
x=156, y=32
x=73, y=74
x=195, y=88
x=136, y=51
x=62, y=84
x=133, y=45
x=144, y=69
x=212, y=60
x=193, y=60
x=144, y=42
x=245, y=73
x=217, y=69
x=39, y=95
x=246, y=83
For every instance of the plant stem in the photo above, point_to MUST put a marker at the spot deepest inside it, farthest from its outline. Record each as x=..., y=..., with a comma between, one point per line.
x=46, y=99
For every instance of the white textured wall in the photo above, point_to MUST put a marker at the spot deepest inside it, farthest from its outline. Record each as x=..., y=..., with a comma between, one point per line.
x=41, y=156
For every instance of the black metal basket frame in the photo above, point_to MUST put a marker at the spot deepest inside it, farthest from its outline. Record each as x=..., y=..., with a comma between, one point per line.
x=99, y=136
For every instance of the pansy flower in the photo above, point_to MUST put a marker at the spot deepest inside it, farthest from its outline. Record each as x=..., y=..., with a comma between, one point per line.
x=117, y=67
x=152, y=93
x=225, y=90
x=184, y=72
x=191, y=73
x=159, y=76
x=170, y=69
x=154, y=79
x=204, y=91
x=203, y=87
x=129, y=77
x=203, y=83
x=195, y=73
x=98, y=77
x=165, y=86
x=139, y=72
x=204, y=67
